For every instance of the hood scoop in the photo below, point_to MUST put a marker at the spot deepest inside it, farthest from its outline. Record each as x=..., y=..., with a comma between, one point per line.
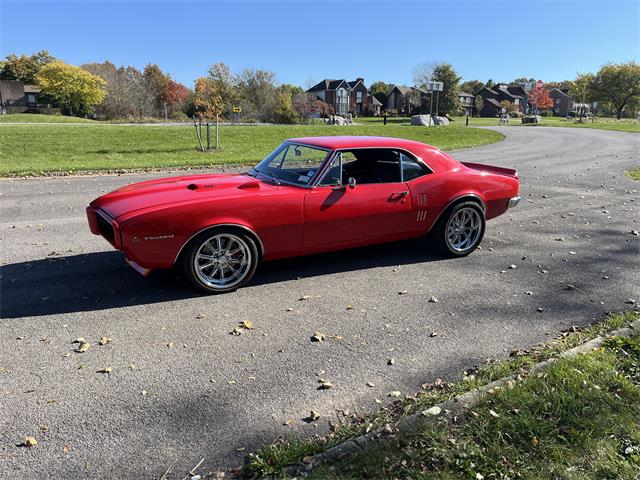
x=251, y=184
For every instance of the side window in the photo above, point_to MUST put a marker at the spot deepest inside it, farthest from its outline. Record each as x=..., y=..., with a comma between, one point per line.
x=411, y=168
x=334, y=174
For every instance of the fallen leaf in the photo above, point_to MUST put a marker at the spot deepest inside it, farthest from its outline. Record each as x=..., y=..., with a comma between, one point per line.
x=317, y=337
x=200, y=316
x=104, y=340
x=394, y=393
x=289, y=423
x=432, y=412
x=534, y=441
x=433, y=300
x=236, y=331
x=104, y=370
x=402, y=292
x=391, y=361
x=171, y=345
x=247, y=325
x=349, y=307
x=143, y=393
x=324, y=384
x=369, y=384
x=513, y=267
x=83, y=347
x=314, y=416
x=30, y=442
x=288, y=309
x=433, y=334
x=308, y=459
x=304, y=297
x=493, y=414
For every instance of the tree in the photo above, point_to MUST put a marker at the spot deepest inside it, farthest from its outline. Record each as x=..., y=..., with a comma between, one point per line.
x=157, y=84
x=72, y=87
x=508, y=106
x=490, y=83
x=540, y=99
x=472, y=86
x=283, y=110
x=379, y=90
x=478, y=104
x=256, y=89
x=518, y=82
x=207, y=104
x=582, y=91
x=618, y=84
x=24, y=68
x=449, y=101
x=226, y=85
x=423, y=73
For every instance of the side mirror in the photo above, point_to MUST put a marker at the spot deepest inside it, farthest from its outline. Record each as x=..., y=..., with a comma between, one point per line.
x=351, y=182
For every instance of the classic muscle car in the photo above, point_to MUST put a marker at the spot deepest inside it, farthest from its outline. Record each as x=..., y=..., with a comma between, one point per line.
x=310, y=195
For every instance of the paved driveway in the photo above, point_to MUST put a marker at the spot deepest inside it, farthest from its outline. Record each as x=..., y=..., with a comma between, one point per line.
x=182, y=388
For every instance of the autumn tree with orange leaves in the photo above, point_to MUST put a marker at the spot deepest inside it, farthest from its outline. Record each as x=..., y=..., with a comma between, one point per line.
x=208, y=104
x=540, y=99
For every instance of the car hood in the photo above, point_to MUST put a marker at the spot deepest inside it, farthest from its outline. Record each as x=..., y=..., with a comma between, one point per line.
x=165, y=191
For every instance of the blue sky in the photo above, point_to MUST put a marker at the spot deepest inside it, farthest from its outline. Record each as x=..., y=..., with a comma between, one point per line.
x=306, y=40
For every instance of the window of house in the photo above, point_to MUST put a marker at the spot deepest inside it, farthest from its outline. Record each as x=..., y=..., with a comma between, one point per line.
x=31, y=98
x=517, y=101
x=359, y=97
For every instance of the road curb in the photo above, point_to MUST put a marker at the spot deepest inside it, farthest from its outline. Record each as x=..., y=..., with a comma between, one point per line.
x=416, y=422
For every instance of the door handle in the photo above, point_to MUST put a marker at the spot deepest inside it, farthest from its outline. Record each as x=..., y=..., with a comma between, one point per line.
x=400, y=194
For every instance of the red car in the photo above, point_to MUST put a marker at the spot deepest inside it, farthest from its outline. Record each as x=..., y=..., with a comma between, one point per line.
x=309, y=195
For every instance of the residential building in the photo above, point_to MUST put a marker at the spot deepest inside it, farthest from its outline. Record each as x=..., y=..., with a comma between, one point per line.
x=16, y=97
x=562, y=102
x=374, y=106
x=405, y=99
x=499, y=93
x=345, y=97
x=467, y=103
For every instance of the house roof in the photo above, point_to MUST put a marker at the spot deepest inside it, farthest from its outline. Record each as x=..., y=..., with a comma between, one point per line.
x=557, y=91
x=328, y=84
x=492, y=101
x=404, y=89
x=374, y=101
x=31, y=89
x=465, y=94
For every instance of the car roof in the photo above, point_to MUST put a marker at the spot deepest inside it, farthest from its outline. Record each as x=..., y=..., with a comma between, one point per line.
x=352, y=141
x=435, y=159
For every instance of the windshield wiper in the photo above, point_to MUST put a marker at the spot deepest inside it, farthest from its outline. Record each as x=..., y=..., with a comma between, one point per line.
x=271, y=176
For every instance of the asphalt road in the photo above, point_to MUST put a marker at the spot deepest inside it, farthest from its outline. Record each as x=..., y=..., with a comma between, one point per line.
x=210, y=394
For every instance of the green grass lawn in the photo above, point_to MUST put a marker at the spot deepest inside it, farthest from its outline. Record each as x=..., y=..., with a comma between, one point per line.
x=41, y=149
x=579, y=419
x=40, y=118
x=634, y=174
x=584, y=414
x=604, y=123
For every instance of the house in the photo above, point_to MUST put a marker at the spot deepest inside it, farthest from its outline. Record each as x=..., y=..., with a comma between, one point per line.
x=492, y=97
x=405, y=99
x=16, y=97
x=562, y=102
x=467, y=103
x=345, y=97
x=373, y=106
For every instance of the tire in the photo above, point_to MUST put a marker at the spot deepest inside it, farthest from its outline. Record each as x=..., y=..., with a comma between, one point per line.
x=459, y=230
x=220, y=260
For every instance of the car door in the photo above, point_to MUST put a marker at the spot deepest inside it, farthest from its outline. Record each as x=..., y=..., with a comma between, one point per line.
x=336, y=213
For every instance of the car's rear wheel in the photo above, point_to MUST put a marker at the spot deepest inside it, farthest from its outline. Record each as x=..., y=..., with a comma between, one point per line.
x=220, y=260
x=459, y=230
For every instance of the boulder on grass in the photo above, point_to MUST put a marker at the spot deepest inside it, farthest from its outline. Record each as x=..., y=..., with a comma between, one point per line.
x=421, y=120
x=441, y=120
x=337, y=120
x=532, y=119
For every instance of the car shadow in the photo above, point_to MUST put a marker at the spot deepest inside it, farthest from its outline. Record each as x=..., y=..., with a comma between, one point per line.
x=102, y=280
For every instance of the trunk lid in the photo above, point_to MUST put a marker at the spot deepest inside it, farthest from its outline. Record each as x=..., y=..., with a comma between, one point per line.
x=509, y=172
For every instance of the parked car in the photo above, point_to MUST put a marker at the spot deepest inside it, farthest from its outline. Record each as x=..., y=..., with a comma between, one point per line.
x=310, y=195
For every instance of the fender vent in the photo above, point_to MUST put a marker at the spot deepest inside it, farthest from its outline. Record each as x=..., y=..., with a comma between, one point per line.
x=422, y=215
x=422, y=199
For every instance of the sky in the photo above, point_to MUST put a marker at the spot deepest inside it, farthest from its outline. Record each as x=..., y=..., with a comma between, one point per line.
x=304, y=42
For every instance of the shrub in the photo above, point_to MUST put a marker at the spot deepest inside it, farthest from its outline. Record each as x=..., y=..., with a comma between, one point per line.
x=546, y=113
x=179, y=117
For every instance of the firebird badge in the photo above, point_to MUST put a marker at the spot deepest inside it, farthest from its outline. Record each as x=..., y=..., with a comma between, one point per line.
x=159, y=237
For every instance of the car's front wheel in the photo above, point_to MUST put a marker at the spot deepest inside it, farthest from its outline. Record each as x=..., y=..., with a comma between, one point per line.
x=220, y=261
x=459, y=230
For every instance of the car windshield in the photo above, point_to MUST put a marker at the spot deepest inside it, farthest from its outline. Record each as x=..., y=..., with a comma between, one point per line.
x=291, y=163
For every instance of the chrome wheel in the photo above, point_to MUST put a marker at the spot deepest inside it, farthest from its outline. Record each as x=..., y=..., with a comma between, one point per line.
x=222, y=261
x=463, y=229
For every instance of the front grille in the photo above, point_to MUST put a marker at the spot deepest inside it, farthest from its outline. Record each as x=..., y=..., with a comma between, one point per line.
x=106, y=230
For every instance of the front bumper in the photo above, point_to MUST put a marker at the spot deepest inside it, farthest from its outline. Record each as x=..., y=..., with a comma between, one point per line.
x=513, y=202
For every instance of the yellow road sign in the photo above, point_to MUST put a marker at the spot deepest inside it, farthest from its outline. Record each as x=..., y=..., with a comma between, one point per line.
x=237, y=109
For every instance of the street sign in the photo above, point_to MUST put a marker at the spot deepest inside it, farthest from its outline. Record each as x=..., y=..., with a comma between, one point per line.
x=528, y=86
x=237, y=109
x=539, y=85
x=435, y=86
